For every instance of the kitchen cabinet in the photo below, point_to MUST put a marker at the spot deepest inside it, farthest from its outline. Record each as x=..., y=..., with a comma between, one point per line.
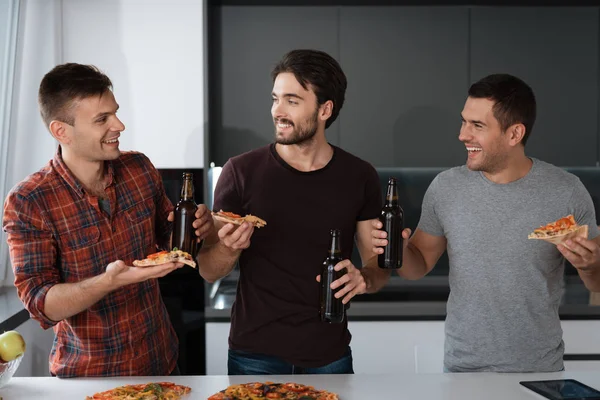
x=555, y=50
x=251, y=40
x=407, y=79
x=406, y=346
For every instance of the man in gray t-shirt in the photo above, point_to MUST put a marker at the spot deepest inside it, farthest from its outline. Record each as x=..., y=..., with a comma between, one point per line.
x=502, y=313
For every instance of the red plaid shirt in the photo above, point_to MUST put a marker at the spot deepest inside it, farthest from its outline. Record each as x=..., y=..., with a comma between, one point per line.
x=57, y=233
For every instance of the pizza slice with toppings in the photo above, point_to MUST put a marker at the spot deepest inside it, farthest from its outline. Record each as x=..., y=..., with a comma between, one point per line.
x=232, y=218
x=163, y=257
x=560, y=230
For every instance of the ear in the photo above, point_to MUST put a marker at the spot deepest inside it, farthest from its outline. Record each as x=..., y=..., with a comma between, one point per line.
x=516, y=133
x=325, y=110
x=60, y=131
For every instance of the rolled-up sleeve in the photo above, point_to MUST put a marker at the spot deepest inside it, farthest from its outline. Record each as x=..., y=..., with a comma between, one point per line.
x=33, y=254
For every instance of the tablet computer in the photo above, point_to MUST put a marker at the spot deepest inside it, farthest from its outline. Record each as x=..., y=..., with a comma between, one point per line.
x=563, y=389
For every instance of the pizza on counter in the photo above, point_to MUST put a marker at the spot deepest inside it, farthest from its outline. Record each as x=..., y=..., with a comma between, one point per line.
x=145, y=391
x=560, y=230
x=232, y=218
x=270, y=390
x=163, y=257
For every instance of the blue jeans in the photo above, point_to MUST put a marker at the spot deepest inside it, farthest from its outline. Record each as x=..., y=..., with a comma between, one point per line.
x=244, y=363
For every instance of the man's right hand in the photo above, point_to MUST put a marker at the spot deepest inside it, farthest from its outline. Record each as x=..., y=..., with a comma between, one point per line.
x=236, y=237
x=378, y=237
x=119, y=274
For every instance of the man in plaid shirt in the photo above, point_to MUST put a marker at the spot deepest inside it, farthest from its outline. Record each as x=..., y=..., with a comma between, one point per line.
x=75, y=227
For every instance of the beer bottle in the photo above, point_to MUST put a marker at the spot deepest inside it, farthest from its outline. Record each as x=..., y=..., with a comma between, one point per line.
x=184, y=237
x=392, y=218
x=332, y=309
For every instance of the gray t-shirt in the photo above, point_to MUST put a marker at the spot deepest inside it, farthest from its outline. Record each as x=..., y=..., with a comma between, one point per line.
x=502, y=313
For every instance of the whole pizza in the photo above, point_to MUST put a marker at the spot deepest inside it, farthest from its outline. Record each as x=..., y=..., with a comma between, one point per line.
x=145, y=391
x=270, y=390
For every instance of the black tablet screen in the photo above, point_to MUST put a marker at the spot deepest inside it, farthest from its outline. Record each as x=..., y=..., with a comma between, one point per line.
x=563, y=389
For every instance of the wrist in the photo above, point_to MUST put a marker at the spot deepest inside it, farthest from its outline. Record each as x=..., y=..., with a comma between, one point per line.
x=104, y=283
x=368, y=281
x=228, y=251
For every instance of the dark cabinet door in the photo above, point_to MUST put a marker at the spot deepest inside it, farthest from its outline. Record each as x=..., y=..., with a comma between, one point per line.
x=407, y=72
x=252, y=41
x=554, y=50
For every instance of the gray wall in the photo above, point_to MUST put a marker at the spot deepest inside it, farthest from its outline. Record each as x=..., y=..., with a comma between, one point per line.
x=408, y=71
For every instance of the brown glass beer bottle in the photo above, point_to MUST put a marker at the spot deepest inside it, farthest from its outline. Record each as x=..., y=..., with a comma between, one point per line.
x=392, y=218
x=332, y=309
x=184, y=237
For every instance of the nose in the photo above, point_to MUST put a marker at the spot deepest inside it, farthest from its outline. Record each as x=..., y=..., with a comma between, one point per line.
x=277, y=110
x=119, y=126
x=464, y=135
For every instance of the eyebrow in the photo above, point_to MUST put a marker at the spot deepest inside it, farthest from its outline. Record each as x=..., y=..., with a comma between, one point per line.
x=102, y=114
x=474, y=121
x=289, y=95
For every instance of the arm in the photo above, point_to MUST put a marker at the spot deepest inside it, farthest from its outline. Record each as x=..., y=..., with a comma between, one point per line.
x=420, y=253
x=64, y=300
x=222, y=248
x=375, y=277
x=34, y=253
x=584, y=255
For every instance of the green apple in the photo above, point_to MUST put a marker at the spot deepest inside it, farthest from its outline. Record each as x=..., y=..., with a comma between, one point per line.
x=12, y=345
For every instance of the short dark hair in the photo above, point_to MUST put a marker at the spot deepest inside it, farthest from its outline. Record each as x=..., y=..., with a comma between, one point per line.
x=319, y=70
x=65, y=84
x=514, y=100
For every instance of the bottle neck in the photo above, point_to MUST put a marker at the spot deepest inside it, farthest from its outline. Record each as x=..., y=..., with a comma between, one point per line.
x=334, y=247
x=187, y=191
x=391, y=199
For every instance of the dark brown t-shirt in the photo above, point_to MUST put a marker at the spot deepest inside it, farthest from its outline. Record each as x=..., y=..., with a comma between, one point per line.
x=276, y=311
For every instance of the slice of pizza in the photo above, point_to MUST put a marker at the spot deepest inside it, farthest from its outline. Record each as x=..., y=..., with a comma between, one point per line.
x=229, y=217
x=560, y=230
x=157, y=391
x=163, y=257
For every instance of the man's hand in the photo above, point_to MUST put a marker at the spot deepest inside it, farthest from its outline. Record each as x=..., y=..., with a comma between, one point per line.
x=236, y=237
x=378, y=237
x=119, y=274
x=583, y=254
x=203, y=224
x=353, y=281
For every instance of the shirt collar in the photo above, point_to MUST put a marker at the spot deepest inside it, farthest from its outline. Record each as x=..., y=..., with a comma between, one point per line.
x=67, y=175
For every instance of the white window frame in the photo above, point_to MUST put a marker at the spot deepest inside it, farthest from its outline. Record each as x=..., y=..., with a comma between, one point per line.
x=7, y=76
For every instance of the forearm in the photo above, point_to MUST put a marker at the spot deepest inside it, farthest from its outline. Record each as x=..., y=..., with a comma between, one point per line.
x=591, y=279
x=216, y=261
x=67, y=299
x=375, y=277
x=413, y=264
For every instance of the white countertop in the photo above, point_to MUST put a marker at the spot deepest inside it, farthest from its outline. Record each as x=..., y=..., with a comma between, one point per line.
x=462, y=386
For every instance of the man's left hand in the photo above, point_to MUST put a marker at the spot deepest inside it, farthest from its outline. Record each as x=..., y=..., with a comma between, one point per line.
x=583, y=254
x=353, y=281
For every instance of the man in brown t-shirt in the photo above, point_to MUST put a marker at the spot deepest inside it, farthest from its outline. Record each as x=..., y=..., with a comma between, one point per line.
x=303, y=187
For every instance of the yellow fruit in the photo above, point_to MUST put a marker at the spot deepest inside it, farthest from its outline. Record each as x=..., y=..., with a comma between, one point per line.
x=12, y=345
